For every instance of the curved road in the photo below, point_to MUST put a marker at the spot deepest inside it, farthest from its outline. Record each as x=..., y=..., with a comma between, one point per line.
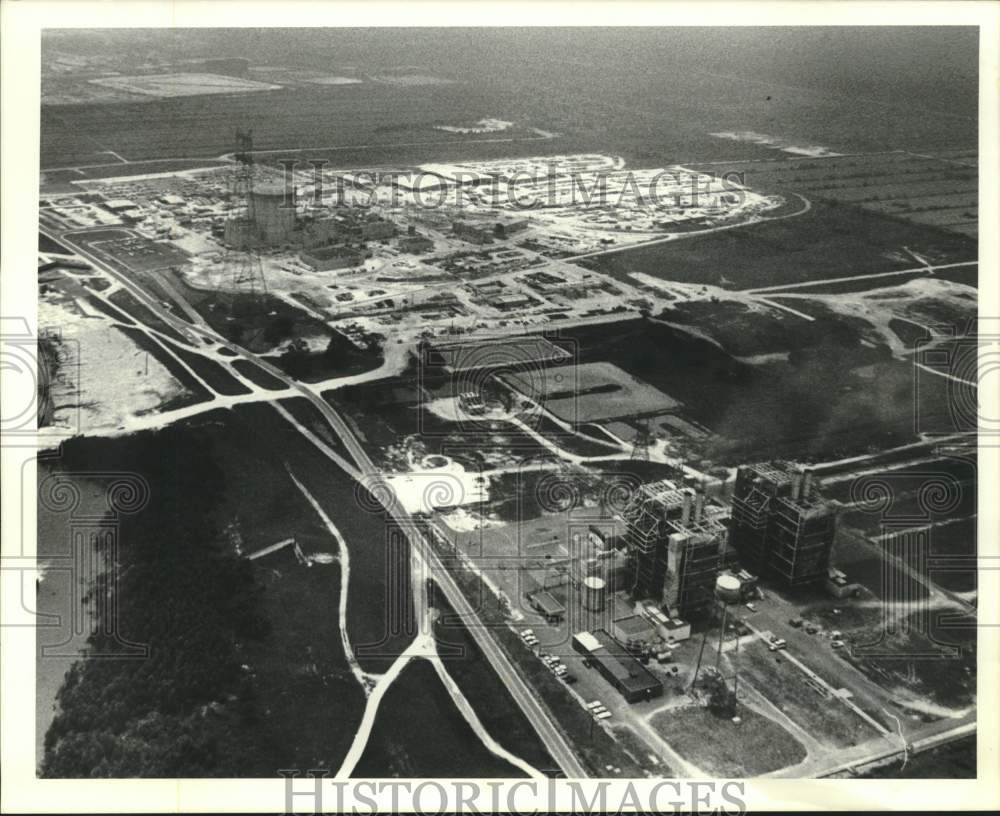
x=553, y=737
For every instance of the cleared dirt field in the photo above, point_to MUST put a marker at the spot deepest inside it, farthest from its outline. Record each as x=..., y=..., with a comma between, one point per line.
x=589, y=392
x=167, y=85
x=486, y=354
x=130, y=250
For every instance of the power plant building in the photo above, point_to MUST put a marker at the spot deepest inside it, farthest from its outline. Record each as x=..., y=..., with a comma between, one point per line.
x=273, y=214
x=676, y=547
x=780, y=526
x=269, y=219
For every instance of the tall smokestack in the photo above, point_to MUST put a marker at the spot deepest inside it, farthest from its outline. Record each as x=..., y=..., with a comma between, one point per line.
x=699, y=505
x=807, y=484
x=686, y=507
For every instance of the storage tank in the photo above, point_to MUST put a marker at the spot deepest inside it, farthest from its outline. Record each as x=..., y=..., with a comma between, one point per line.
x=727, y=589
x=593, y=593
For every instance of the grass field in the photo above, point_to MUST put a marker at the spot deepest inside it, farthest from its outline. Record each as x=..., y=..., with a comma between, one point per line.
x=829, y=241
x=419, y=733
x=923, y=189
x=379, y=607
x=257, y=375
x=213, y=373
x=492, y=702
x=828, y=720
x=835, y=397
x=127, y=302
x=721, y=747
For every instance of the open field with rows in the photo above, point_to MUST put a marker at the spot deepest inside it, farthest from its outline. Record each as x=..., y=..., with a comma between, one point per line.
x=940, y=189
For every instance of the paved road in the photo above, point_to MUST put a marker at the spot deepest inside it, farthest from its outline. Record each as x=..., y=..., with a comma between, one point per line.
x=930, y=269
x=555, y=741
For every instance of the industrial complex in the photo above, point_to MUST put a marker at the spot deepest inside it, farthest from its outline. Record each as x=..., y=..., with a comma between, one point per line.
x=549, y=468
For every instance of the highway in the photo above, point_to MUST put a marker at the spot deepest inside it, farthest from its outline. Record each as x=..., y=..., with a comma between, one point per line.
x=425, y=558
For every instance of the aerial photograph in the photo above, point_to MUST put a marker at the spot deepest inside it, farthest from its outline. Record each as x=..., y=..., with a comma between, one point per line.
x=515, y=403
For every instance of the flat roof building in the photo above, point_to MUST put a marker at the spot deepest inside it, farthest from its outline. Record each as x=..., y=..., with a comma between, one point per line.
x=472, y=232
x=626, y=674
x=325, y=259
x=416, y=244
x=633, y=629
x=119, y=204
x=545, y=603
x=507, y=227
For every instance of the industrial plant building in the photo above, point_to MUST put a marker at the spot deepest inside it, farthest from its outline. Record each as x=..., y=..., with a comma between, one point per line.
x=415, y=244
x=780, y=526
x=376, y=229
x=473, y=233
x=324, y=259
x=269, y=219
x=273, y=212
x=505, y=228
x=632, y=680
x=676, y=547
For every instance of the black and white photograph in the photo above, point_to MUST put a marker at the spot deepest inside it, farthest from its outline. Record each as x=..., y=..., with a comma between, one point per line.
x=506, y=402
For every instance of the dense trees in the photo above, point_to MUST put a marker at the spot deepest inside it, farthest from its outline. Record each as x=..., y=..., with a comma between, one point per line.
x=183, y=593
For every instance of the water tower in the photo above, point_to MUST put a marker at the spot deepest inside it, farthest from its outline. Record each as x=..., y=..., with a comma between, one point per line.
x=727, y=595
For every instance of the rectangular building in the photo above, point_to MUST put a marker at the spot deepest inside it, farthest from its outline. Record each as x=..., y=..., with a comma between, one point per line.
x=376, y=230
x=325, y=259
x=416, y=244
x=628, y=676
x=472, y=232
x=506, y=228
x=545, y=603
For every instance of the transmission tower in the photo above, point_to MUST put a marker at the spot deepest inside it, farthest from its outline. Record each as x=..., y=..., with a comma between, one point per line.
x=643, y=439
x=243, y=265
